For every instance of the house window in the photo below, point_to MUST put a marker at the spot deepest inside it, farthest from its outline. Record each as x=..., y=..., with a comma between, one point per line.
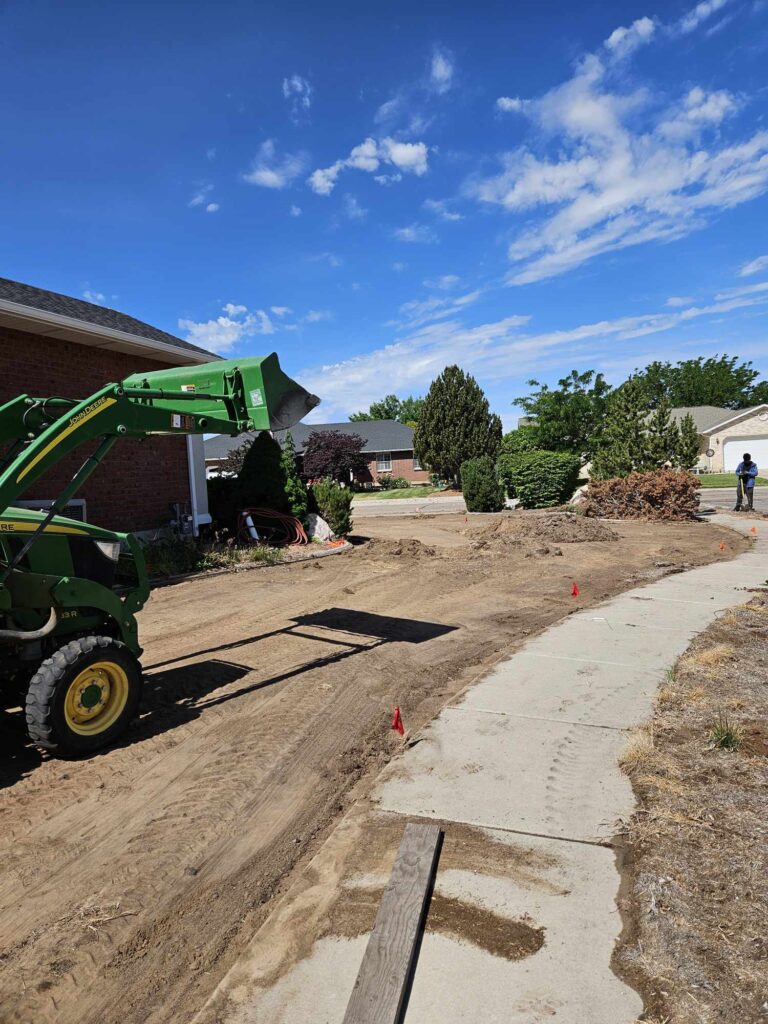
x=416, y=464
x=383, y=462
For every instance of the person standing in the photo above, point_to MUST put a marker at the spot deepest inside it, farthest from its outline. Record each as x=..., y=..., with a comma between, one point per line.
x=746, y=474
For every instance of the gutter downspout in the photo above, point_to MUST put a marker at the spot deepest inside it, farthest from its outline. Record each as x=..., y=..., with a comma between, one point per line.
x=192, y=486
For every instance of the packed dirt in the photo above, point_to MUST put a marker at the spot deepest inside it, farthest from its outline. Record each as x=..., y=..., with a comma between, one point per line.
x=695, y=944
x=131, y=882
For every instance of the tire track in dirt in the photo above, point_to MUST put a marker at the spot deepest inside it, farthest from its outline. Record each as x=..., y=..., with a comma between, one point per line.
x=193, y=826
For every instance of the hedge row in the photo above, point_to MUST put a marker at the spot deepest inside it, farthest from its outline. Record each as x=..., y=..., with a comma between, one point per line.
x=539, y=479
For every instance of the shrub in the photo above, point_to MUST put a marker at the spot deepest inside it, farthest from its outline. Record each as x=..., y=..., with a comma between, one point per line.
x=505, y=465
x=524, y=439
x=480, y=485
x=262, y=478
x=223, y=493
x=542, y=479
x=171, y=556
x=334, y=504
x=295, y=488
x=663, y=494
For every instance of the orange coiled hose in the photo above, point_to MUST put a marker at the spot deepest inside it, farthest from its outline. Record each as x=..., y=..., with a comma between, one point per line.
x=281, y=529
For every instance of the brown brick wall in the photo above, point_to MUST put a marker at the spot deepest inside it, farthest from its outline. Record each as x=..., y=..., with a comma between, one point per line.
x=402, y=465
x=132, y=489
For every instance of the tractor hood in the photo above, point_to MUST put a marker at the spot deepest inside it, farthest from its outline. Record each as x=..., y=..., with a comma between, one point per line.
x=21, y=522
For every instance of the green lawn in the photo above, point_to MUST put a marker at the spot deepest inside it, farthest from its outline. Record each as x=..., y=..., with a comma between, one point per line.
x=726, y=480
x=421, y=491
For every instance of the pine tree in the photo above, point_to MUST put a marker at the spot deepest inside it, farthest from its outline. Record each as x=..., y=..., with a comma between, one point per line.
x=295, y=487
x=261, y=481
x=455, y=424
x=624, y=444
x=689, y=443
x=662, y=439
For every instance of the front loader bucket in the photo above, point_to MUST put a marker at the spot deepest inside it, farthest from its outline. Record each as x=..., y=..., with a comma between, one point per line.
x=269, y=399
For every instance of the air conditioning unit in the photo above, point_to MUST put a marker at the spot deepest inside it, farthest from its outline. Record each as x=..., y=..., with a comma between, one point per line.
x=75, y=509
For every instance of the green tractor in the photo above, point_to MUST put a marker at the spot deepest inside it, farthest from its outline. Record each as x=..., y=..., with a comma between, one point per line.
x=68, y=635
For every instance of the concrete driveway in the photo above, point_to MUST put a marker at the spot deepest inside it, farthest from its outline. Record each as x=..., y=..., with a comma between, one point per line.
x=725, y=497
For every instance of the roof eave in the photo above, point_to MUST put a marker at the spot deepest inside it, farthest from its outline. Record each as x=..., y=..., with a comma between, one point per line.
x=740, y=414
x=55, y=325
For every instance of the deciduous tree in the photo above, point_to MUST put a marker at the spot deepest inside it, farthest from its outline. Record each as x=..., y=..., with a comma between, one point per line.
x=569, y=418
x=334, y=455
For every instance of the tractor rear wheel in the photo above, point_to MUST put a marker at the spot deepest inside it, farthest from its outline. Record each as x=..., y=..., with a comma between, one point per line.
x=83, y=696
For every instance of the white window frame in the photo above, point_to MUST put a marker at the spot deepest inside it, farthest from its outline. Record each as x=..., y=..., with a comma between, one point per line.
x=383, y=462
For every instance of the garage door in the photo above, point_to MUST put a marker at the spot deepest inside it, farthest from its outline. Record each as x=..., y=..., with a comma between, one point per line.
x=757, y=448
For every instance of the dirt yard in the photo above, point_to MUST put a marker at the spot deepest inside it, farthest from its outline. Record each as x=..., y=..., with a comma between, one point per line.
x=131, y=882
x=697, y=897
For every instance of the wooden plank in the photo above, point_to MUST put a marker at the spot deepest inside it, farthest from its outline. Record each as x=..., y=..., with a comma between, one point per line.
x=384, y=975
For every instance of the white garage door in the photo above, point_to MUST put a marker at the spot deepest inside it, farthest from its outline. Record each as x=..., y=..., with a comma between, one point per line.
x=757, y=448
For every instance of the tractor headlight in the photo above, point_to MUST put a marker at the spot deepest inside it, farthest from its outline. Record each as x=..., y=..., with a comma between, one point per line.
x=110, y=548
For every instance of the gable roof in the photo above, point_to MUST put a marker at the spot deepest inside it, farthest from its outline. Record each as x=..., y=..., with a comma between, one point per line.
x=39, y=311
x=704, y=416
x=379, y=435
x=709, y=418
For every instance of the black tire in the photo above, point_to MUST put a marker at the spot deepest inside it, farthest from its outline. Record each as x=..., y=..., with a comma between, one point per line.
x=50, y=721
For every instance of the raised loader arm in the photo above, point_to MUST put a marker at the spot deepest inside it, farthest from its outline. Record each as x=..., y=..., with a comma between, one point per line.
x=227, y=397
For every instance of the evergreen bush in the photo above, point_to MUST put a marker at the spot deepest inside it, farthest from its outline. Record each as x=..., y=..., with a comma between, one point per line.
x=334, y=504
x=480, y=485
x=543, y=479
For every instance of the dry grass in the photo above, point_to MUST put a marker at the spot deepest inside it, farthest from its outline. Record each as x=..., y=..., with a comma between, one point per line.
x=697, y=947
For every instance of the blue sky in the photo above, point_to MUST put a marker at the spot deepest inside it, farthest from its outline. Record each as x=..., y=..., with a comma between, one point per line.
x=519, y=188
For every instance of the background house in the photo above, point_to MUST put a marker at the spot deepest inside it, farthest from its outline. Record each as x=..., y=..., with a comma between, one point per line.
x=52, y=344
x=388, y=447
x=727, y=434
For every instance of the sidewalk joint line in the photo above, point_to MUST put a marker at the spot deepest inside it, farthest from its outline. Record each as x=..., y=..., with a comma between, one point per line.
x=586, y=661
x=604, y=844
x=536, y=718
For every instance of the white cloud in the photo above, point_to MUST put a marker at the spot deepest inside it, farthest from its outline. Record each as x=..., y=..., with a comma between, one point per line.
x=444, y=283
x=691, y=21
x=212, y=208
x=754, y=266
x=225, y=332
x=441, y=71
x=326, y=257
x=510, y=104
x=496, y=350
x=621, y=173
x=298, y=92
x=280, y=310
x=97, y=298
x=744, y=290
x=271, y=171
x=315, y=316
x=678, y=300
x=369, y=156
x=201, y=195
x=295, y=211
x=440, y=208
x=399, y=267
x=353, y=210
x=698, y=110
x=415, y=233
x=622, y=41
x=388, y=179
x=210, y=153
x=423, y=311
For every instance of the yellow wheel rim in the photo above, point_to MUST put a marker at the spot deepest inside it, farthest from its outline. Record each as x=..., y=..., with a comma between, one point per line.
x=96, y=698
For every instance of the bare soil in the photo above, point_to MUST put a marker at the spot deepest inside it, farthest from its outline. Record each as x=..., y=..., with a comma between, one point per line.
x=131, y=882
x=697, y=892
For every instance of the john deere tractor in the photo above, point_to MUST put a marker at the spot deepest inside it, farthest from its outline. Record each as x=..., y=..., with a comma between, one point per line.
x=68, y=634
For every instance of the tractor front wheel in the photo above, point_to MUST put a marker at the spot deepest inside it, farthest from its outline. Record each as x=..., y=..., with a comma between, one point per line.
x=83, y=696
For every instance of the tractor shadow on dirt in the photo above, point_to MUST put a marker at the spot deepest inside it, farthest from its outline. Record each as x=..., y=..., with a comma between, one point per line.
x=181, y=689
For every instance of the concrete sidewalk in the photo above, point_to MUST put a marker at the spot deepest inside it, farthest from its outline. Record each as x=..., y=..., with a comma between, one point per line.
x=529, y=757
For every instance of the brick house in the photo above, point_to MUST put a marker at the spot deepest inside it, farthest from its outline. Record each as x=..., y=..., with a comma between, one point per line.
x=52, y=344
x=725, y=435
x=388, y=446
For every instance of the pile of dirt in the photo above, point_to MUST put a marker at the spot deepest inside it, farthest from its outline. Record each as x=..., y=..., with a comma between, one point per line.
x=549, y=528
x=408, y=547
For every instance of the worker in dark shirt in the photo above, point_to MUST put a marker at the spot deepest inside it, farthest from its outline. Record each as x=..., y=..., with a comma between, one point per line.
x=746, y=474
